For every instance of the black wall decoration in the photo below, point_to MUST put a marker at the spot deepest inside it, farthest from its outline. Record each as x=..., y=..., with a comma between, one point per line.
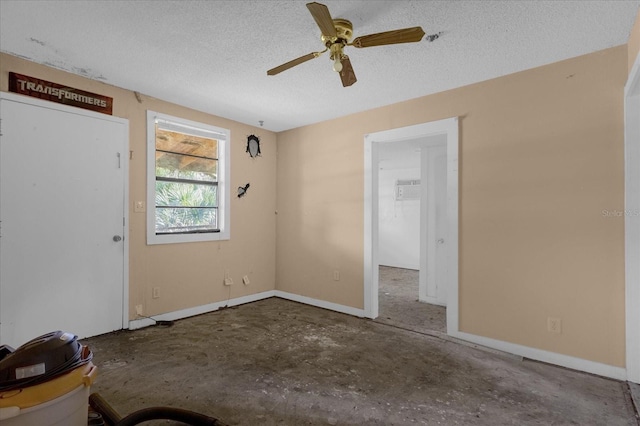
x=243, y=190
x=253, y=146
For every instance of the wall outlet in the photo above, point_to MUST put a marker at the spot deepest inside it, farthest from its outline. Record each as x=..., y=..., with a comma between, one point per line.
x=336, y=275
x=245, y=280
x=554, y=325
x=156, y=292
x=227, y=278
x=138, y=309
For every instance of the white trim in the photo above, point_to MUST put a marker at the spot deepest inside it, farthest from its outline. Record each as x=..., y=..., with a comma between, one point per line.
x=448, y=127
x=198, y=310
x=427, y=226
x=124, y=159
x=632, y=221
x=320, y=303
x=371, y=240
x=224, y=182
x=574, y=363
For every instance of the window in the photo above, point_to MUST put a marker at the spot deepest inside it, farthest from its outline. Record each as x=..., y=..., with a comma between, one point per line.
x=187, y=180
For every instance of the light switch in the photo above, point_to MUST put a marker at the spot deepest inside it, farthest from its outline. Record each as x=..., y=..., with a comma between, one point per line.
x=139, y=207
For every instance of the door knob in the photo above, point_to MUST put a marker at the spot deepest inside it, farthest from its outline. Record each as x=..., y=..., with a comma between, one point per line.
x=117, y=238
x=440, y=240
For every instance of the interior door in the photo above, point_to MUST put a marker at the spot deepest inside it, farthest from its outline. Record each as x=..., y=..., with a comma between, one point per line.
x=433, y=242
x=440, y=198
x=62, y=212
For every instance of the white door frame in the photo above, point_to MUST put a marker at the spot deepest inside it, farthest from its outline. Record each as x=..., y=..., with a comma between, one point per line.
x=124, y=161
x=632, y=220
x=448, y=127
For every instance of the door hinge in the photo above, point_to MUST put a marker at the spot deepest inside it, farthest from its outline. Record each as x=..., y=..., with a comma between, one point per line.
x=118, y=154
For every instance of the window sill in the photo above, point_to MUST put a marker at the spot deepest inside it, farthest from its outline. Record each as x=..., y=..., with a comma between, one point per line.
x=154, y=239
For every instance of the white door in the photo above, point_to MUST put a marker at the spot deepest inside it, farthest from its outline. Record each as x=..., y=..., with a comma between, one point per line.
x=440, y=207
x=62, y=212
x=434, y=232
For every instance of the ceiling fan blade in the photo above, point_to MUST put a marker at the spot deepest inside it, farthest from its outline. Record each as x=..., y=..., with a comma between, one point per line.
x=405, y=35
x=321, y=14
x=347, y=75
x=291, y=64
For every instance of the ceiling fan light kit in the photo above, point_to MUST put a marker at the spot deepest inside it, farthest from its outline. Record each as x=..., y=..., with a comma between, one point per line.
x=336, y=56
x=336, y=34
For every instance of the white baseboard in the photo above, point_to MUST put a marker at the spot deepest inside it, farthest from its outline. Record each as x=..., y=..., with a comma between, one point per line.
x=203, y=309
x=618, y=373
x=321, y=303
x=197, y=310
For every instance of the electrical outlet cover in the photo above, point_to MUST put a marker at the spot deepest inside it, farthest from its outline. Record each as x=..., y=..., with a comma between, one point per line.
x=554, y=325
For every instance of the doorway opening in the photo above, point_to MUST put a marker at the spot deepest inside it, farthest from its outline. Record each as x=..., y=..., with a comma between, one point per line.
x=412, y=233
x=428, y=138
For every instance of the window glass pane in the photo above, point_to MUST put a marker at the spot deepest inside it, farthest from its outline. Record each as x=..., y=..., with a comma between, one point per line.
x=175, y=220
x=178, y=194
x=186, y=167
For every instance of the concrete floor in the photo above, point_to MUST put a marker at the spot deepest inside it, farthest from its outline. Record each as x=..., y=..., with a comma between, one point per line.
x=398, y=303
x=276, y=362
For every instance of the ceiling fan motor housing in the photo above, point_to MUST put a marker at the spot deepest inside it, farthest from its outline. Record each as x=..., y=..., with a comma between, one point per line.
x=344, y=31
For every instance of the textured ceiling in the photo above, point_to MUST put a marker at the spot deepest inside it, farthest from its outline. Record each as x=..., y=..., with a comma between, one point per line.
x=213, y=55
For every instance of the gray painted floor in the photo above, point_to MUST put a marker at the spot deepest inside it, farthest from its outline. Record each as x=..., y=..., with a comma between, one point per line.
x=276, y=362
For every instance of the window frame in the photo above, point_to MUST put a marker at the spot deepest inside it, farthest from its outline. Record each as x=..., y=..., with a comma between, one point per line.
x=224, y=160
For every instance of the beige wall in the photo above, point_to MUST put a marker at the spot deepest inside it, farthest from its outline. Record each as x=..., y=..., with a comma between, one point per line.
x=634, y=42
x=188, y=274
x=541, y=157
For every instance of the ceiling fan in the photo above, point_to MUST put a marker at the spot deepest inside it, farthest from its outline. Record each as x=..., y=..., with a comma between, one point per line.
x=336, y=35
